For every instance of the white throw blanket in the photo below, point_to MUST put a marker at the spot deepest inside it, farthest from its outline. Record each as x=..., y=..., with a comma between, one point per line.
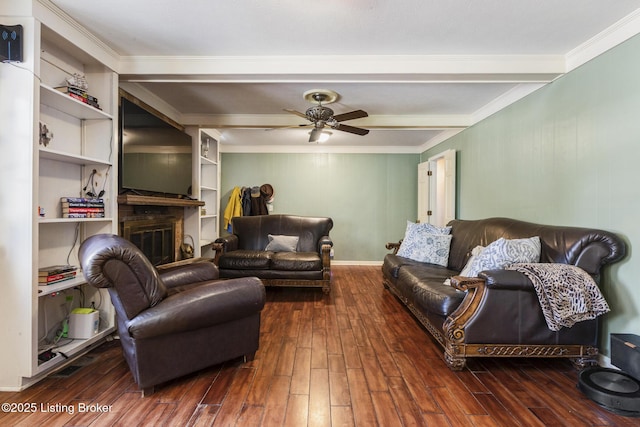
x=567, y=293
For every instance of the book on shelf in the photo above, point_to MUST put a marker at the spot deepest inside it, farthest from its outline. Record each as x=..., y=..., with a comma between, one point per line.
x=82, y=204
x=83, y=215
x=82, y=210
x=56, y=269
x=55, y=278
x=82, y=207
x=82, y=200
x=79, y=94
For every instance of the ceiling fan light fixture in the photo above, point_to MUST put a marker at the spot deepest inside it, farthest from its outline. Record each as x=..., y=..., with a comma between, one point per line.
x=323, y=136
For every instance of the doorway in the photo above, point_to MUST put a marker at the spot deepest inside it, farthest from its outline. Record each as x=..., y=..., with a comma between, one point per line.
x=437, y=189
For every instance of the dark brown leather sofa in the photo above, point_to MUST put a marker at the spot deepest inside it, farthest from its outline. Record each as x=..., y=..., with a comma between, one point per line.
x=175, y=321
x=498, y=314
x=244, y=253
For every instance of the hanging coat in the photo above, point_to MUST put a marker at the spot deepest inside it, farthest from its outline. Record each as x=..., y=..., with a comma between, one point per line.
x=234, y=207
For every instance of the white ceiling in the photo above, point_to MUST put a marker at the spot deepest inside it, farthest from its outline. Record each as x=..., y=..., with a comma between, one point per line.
x=422, y=69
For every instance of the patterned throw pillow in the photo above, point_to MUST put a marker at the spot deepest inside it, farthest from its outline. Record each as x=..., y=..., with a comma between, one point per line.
x=503, y=252
x=474, y=254
x=426, y=228
x=421, y=244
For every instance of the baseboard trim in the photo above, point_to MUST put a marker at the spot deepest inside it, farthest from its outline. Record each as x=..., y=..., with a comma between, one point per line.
x=369, y=263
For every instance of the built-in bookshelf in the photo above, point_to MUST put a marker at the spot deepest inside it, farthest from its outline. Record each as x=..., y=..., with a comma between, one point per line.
x=76, y=157
x=209, y=189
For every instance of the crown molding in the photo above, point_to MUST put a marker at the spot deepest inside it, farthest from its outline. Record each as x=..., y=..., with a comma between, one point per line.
x=317, y=149
x=612, y=36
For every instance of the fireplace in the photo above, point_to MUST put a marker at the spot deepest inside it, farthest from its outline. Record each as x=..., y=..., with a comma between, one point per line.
x=156, y=224
x=155, y=236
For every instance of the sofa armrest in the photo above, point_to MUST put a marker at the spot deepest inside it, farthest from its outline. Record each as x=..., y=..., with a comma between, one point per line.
x=224, y=244
x=455, y=323
x=200, y=307
x=393, y=246
x=199, y=271
x=228, y=243
x=324, y=243
x=507, y=279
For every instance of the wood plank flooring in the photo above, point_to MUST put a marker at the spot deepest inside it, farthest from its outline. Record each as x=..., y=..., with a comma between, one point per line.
x=353, y=358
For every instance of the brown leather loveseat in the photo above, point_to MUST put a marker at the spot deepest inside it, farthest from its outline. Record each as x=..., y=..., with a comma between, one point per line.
x=281, y=250
x=498, y=313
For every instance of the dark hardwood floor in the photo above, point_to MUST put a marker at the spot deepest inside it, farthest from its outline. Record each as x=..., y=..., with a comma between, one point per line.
x=354, y=357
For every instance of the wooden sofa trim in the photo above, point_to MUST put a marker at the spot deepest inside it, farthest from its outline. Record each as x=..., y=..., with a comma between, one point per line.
x=456, y=350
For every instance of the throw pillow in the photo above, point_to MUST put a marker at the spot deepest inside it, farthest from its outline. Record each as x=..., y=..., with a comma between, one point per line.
x=467, y=268
x=282, y=243
x=474, y=254
x=426, y=227
x=426, y=247
x=502, y=252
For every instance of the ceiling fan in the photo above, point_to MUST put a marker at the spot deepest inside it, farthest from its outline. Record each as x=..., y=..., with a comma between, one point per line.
x=321, y=116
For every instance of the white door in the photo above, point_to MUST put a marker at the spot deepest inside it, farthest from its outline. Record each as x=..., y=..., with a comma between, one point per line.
x=423, y=192
x=437, y=189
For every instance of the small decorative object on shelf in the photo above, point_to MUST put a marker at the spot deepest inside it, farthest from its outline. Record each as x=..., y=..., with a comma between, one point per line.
x=76, y=87
x=205, y=148
x=78, y=81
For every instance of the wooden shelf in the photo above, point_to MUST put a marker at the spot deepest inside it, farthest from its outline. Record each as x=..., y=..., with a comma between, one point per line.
x=134, y=199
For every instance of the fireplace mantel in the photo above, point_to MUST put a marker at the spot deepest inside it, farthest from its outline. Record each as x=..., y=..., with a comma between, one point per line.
x=134, y=199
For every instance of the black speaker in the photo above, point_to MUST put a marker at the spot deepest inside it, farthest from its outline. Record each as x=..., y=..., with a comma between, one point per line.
x=11, y=43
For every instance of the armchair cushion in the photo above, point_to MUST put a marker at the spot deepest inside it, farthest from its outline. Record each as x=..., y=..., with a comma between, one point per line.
x=299, y=261
x=246, y=260
x=200, y=307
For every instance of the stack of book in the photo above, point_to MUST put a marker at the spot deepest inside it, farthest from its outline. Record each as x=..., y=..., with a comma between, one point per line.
x=56, y=273
x=80, y=94
x=81, y=207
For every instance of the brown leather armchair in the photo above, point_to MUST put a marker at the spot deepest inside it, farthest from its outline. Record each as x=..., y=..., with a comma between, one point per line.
x=176, y=321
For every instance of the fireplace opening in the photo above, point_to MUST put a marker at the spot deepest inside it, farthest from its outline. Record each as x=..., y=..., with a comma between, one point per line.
x=154, y=236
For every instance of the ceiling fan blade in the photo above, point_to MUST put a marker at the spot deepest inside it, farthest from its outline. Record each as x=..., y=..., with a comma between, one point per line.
x=297, y=113
x=314, y=135
x=351, y=129
x=357, y=114
x=290, y=127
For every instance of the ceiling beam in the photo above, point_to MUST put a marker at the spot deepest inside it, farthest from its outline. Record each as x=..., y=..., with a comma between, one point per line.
x=385, y=68
x=262, y=121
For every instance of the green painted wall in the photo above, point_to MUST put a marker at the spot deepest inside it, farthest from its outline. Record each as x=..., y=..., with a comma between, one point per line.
x=369, y=196
x=567, y=155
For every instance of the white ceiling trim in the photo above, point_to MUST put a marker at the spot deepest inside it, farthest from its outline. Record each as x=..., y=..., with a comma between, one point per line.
x=467, y=68
x=515, y=94
x=441, y=137
x=318, y=148
x=249, y=121
x=617, y=33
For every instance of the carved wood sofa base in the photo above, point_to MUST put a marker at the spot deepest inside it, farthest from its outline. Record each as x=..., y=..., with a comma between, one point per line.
x=451, y=336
